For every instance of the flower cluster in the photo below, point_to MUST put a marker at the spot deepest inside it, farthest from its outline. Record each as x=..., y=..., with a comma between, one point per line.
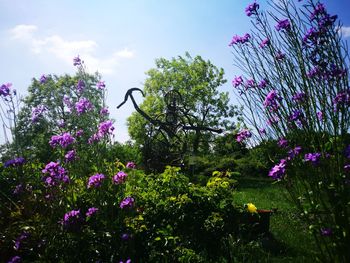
x=43, y=79
x=63, y=140
x=314, y=158
x=127, y=202
x=71, y=218
x=77, y=61
x=37, y=112
x=95, y=180
x=278, y=171
x=264, y=43
x=56, y=174
x=18, y=161
x=299, y=97
x=283, y=25
x=243, y=135
x=120, y=177
x=70, y=156
x=252, y=9
x=131, y=165
x=101, y=85
x=80, y=86
x=5, y=89
x=91, y=211
x=104, y=111
x=272, y=99
x=83, y=105
x=20, y=240
x=237, y=81
x=240, y=40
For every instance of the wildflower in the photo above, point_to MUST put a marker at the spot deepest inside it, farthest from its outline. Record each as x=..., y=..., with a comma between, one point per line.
x=83, y=105
x=104, y=111
x=294, y=152
x=15, y=259
x=91, y=211
x=296, y=115
x=131, y=165
x=76, y=61
x=101, y=85
x=37, y=112
x=56, y=174
x=263, y=83
x=252, y=9
x=105, y=128
x=95, y=180
x=299, y=97
x=249, y=84
x=5, y=89
x=20, y=239
x=277, y=172
x=63, y=140
x=326, y=231
x=283, y=25
x=243, y=135
x=43, y=79
x=70, y=156
x=71, y=218
x=18, y=161
x=251, y=208
x=320, y=115
x=280, y=55
x=342, y=98
x=120, y=177
x=314, y=158
x=240, y=40
x=271, y=100
x=282, y=143
x=264, y=43
x=127, y=202
x=80, y=85
x=262, y=131
x=237, y=81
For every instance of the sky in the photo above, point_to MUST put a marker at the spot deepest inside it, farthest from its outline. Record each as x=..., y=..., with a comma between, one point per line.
x=121, y=39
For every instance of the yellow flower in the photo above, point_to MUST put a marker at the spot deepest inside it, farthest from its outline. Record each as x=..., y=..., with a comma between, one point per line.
x=251, y=208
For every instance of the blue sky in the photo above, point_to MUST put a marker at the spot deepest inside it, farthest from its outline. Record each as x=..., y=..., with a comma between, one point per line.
x=120, y=39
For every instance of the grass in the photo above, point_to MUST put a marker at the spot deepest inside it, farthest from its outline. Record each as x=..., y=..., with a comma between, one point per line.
x=290, y=240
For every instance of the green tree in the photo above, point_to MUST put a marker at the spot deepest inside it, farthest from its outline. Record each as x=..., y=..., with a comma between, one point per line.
x=200, y=104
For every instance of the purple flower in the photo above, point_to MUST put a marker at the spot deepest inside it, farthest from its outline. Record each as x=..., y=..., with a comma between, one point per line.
x=120, y=177
x=320, y=115
x=240, y=40
x=37, y=112
x=83, y=105
x=347, y=168
x=20, y=239
x=71, y=218
x=237, y=81
x=271, y=100
x=131, y=165
x=249, y=84
x=342, y=98
x=5, y=89
x=283, y=25
x=125, y=237
x=272, y=120
x=70, y=156
x=104, y=111
x=105, y=128
x=95, y=180
x=263, y=83
x=43, y=79
x=127, y=202
x=76, y=61
x=243, y=135
x=326, y=231
x=128, y=261
x=282, y=143
x=280, y=55
x=294, y=152
x=18, y=161
x=277, y=172
x=101, y=85
x=63, y=140
x=299, y=97
x=79, y=133
x=91, y=211
x=262, y=131
x=264, y=43
x=297, y=115
x=319, y=10
x=80, y=85
x=252, y=9
x=314, y=158
x=347, y=152
x=56, y=174
x=15, y=259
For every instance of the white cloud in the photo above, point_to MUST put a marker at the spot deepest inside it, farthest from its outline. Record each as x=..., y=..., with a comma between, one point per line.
x=345, y=31
x=65, y=50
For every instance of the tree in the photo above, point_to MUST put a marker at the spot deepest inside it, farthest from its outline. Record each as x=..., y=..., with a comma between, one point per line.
x=199, y=104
